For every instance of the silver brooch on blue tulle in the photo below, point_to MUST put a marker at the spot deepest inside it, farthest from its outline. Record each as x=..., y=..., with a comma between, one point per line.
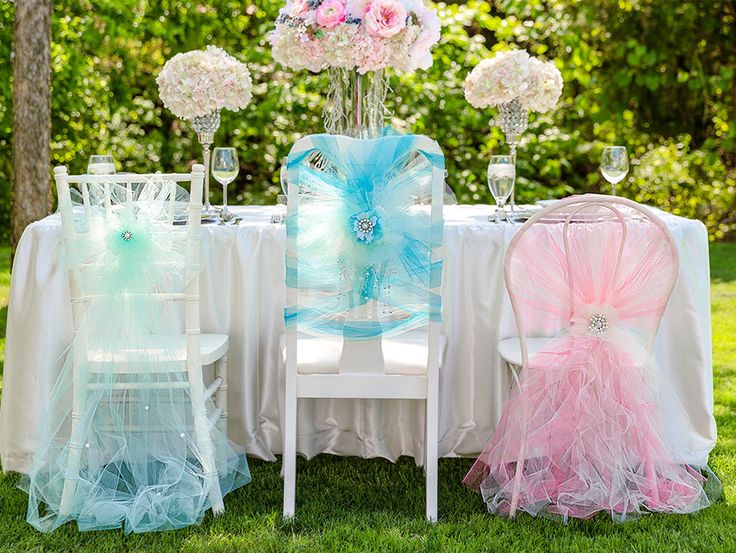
x=367, y=225
x=126, y=235
x=598, y=324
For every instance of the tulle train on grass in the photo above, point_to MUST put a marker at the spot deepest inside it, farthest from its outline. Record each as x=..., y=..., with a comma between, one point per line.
x=140, y=465
x=582, y=432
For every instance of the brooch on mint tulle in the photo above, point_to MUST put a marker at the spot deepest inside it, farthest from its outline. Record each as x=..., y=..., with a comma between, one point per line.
x=126, y=235
x=367, y=225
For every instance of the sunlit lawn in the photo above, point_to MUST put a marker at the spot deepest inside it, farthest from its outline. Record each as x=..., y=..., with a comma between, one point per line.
x=373, y=505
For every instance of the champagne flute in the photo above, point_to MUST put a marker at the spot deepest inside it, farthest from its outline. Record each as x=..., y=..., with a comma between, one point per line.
x=501, y=179
x=101, y=165
x=614, y=165
x=225, y=168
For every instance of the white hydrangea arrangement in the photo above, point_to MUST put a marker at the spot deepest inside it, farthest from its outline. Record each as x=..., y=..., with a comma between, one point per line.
x=196, y=83
x=514, y=75
x=366, y=35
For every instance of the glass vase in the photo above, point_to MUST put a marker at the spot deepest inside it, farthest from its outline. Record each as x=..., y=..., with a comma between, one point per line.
x=206, y=126
x=513, y=120
x=355, y=104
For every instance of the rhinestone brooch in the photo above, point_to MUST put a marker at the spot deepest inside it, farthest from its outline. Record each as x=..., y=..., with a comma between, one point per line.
x=365, y=225
x=126, y=235
x=598, y=324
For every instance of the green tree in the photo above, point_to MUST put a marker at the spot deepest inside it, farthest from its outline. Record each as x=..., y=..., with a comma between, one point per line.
x=655, y=76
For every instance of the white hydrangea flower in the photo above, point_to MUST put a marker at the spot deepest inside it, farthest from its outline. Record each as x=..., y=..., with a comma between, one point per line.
x=514, y=75
x=545, y=86
x=196, y=83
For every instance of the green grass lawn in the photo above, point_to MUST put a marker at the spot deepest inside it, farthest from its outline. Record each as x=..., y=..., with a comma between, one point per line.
x=347, y=504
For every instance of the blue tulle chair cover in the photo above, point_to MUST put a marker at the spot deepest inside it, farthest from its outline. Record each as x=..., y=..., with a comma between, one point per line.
x=365, y=258
x=141, y=465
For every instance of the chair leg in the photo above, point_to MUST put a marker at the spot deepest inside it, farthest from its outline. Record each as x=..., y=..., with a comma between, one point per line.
x=221, y=394
x=289, y=458
x=207, y=458
x=432, y=454
x=73, y=466
x=76, y=436
x=203, y=439
x=515, y=373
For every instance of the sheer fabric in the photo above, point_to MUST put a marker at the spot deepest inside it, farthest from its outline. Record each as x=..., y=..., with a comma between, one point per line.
x=580, y=432
x=128, y=454
x=365, y=237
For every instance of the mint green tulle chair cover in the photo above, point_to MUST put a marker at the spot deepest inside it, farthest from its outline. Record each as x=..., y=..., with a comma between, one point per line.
x=364, y=246
x=141, y=464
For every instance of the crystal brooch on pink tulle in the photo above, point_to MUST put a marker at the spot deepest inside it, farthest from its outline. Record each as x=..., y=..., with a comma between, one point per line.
x=598, y=324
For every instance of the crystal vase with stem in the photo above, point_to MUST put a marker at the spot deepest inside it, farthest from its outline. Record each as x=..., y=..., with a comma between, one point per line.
x=206, y=126
x=355, y=104
x=513, y=119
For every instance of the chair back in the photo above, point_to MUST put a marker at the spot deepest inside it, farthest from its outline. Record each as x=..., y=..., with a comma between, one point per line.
x=364, y=231
x=127, y=250
x=592, y=265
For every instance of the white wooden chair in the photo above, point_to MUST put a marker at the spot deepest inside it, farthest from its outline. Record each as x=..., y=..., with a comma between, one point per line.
x=191, y=350
x=406, y=367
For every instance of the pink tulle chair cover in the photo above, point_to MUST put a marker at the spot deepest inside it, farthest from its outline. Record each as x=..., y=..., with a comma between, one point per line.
x=595, y=274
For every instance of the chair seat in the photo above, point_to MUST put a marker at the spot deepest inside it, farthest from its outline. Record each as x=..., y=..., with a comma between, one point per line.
x=405, y=354
x=167, y=348
x=510, y=349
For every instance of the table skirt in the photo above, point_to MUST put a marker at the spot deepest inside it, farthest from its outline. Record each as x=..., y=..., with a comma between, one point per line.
x=242, y=295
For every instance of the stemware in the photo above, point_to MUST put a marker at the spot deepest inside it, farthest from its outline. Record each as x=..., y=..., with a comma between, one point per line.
x=279, y=214
x=284, y=176
x=614, y=165
x=225, y=169
x=501, y=179
x=101, y=165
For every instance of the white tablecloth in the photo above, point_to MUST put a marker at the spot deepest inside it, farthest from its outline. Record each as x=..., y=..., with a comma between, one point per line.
x=242, y=296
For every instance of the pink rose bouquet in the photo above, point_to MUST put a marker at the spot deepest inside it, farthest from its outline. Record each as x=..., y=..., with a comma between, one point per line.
x=366, y=35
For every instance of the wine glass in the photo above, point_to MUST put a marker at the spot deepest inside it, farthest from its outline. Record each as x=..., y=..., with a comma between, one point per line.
x=614, y=165
x=225, y=168
x=284, y=176
x=501, y=179
x=101, y=165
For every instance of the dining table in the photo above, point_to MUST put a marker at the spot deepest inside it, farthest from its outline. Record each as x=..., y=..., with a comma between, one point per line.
x=243, y=293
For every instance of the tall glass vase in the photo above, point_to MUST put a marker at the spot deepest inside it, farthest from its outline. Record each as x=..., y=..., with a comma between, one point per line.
x=355, y=107
x=206, y=126
x=355, y=104
x=513, y=119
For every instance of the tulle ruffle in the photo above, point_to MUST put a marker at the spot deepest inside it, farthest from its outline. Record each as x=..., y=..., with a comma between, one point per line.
x=364, y=237
x=121, y=445
x=584, y=429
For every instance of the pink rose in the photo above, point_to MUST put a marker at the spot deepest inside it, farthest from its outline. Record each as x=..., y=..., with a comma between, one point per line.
x=299, y=8
x=331, y=13
x=356, y=8
x=385, y=18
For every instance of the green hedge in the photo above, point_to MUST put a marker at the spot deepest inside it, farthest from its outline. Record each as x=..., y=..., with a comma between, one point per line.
x=655, y=76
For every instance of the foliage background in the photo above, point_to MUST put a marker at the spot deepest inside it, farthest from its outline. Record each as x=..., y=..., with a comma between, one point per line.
x=657, y=76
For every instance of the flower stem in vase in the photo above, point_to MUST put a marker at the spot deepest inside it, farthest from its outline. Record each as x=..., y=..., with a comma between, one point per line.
x=355, y=104
x=206, y=126
x=358, y=103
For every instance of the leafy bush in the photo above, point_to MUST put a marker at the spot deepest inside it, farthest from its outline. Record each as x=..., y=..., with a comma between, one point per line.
x=655, y=76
